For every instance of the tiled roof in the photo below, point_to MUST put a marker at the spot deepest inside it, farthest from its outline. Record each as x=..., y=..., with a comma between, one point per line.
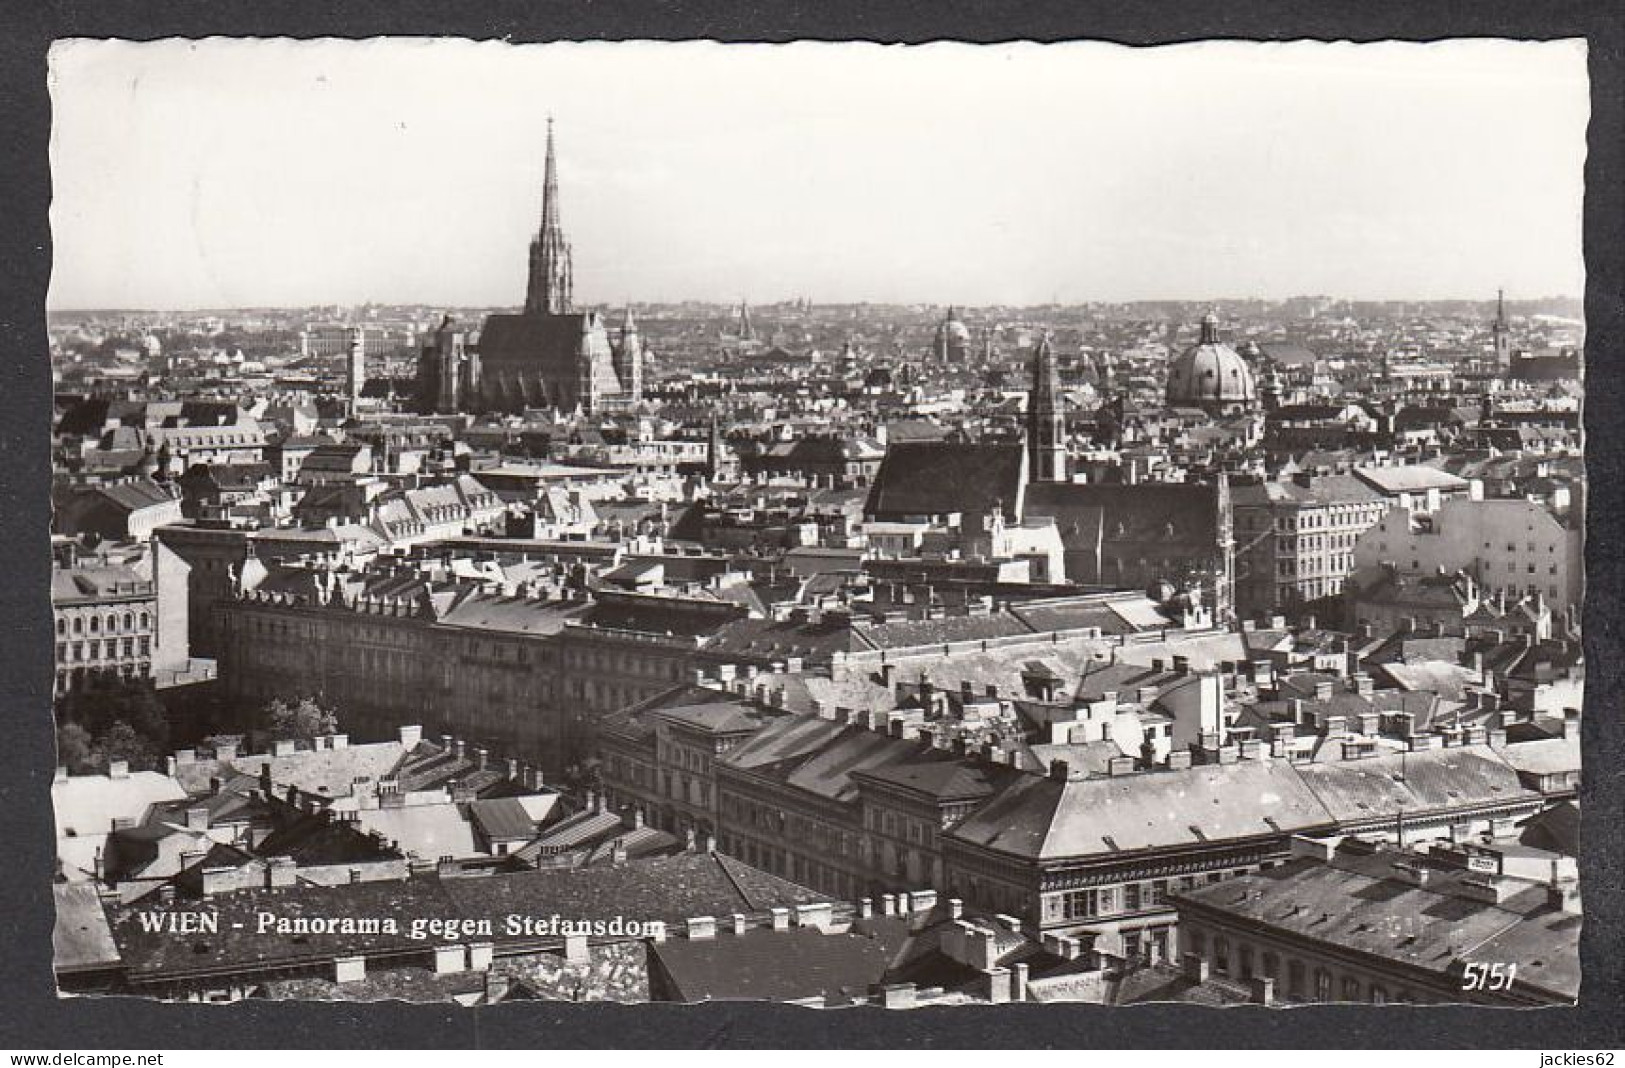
x=81, y=937
x=1429, y=780
x=1358, y=903
x=942, y=780
x=769, y=965
x=1044, y=818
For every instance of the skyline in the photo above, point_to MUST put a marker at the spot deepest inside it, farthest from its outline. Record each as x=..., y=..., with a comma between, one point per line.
x=1284, y=170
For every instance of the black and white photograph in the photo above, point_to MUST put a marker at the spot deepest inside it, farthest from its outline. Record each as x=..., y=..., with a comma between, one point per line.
x=835, y=524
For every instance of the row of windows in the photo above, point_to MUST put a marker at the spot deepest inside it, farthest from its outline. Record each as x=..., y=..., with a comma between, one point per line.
x=95, y=649
x=114, y=622
x=72, y=678
x=1302, y=981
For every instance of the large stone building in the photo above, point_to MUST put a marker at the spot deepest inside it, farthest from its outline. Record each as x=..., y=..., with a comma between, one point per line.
x=119, y=622
x=854, y=801
x=549, y=355
x=1296, y=538
x=1373, y=924
x=1510, y=547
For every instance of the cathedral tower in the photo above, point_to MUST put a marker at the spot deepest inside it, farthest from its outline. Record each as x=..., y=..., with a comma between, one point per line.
x=629, y=359
x=551, y=277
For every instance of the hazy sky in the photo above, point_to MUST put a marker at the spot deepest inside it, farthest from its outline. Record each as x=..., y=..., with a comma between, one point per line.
x=229, y=173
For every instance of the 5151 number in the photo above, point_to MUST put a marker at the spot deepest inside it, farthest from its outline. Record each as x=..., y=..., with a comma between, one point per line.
x=1489, y=977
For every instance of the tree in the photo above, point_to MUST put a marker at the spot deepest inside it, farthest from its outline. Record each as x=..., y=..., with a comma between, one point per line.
x=124, y=742
x=299, y=720
x=75, y=749
x=131, y=701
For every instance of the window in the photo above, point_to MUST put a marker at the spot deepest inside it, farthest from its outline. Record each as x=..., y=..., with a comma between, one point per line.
x=1246, y=957
x=1272, y=966
x=1323, y=985
x=1294, y=980
x=1131, y=897
x=1221, y=955
x=1079, y=904
x=1351, y=988
x=1379, y=996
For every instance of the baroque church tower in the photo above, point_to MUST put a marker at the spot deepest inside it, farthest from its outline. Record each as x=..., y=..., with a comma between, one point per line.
x=1046, y=421
x=1500, y=332
x=551, y=277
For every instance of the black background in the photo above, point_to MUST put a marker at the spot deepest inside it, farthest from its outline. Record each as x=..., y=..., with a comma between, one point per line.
x=32, y=1017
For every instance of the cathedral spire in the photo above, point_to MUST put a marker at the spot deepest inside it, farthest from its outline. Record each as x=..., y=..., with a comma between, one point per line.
x=550, y=184
x=551, y=277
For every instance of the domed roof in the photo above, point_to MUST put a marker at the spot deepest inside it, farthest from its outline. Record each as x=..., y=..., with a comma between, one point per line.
x=952, y=329
x=1210, y=372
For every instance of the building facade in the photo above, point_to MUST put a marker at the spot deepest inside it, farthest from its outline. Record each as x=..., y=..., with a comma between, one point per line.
x=1296, y=538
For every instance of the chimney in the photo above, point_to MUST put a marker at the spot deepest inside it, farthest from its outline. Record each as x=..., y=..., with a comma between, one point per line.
x=701, y=928
x=197, y=818
x=118, y=769
x=820, y=915
x=410, y=736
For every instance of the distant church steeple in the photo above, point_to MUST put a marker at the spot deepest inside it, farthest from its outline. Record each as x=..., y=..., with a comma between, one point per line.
x=1499, y=330
x=1046, y=421
x=551, y=276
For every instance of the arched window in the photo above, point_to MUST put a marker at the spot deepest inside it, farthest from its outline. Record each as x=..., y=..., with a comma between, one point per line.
x=129, y=621
x=78, y=625
x=61, y=626
x=95, y=624
x=146, y=621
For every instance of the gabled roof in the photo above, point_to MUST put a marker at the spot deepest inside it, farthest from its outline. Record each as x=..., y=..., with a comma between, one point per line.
x=1146, y=512
x=939, y=477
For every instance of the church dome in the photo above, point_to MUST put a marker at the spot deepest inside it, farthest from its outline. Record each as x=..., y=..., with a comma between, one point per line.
x=953, y=336
x=1210, y=374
